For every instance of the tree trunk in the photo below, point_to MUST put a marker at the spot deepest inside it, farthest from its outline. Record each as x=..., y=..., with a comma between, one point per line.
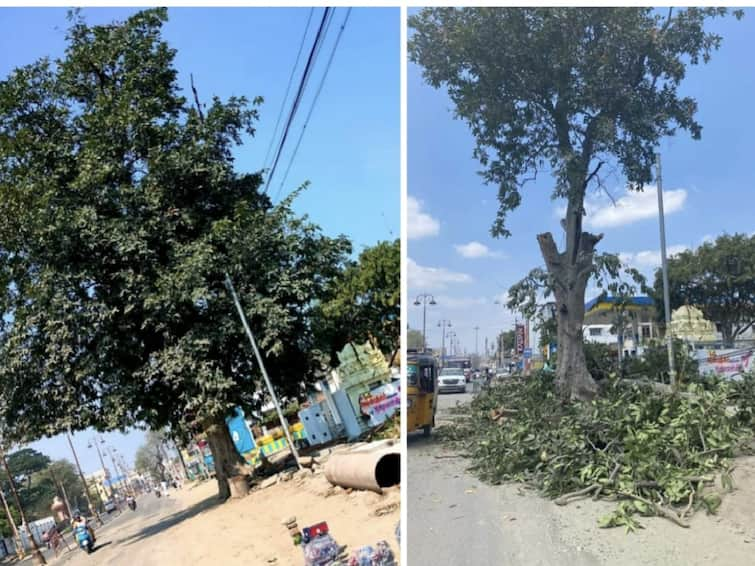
x=727, y=333
x=570, y=273
x=228, y=462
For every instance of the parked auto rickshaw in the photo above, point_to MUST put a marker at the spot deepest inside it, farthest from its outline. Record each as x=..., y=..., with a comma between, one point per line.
x=421, y=383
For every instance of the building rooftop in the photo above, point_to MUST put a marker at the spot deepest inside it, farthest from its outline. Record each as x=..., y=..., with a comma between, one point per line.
x=638, y=301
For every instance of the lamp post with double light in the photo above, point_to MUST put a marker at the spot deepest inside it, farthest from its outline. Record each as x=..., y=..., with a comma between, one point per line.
x=424, y=299
x=443, y=324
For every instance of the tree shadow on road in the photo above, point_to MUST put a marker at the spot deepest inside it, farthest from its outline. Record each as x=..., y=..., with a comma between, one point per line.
x=174, y=519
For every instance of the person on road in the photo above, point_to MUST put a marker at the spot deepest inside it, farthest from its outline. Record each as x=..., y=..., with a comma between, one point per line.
x=79, y=521
x=164, y=485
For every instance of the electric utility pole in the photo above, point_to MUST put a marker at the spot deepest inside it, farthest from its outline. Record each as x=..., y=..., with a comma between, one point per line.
x=271, y=391
x=664, y=267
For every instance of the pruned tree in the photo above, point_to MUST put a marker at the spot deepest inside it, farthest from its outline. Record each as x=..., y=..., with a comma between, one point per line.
x=533, y=295
x=575, y=92
x=120, y=212
x=719, y=278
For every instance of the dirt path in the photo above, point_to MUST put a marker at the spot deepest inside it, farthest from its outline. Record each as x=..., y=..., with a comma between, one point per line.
x=458, y=521
x=191, y=528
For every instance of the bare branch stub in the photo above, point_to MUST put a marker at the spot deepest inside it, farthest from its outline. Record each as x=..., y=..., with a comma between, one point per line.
x=196, y=98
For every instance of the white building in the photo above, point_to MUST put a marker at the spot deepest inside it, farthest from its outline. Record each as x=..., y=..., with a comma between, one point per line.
x=639, y=323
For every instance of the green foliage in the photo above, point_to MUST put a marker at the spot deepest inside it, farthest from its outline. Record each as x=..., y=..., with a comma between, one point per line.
x=570, y=92
x=25, y=462
x=414, y=339
x=507, y=341
x=149, y=456
x=35, y=487
x=6, y=530
x=653, y=364
x=603, y=84
x=632, y=443
x=364, y=302
x=744, y=397
x=602, y=360
x=717, y=277
x=603, y=363
x=120, y=212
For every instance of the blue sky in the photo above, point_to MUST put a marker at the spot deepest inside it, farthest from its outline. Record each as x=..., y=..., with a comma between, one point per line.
x=707, y=188
x=350, y=152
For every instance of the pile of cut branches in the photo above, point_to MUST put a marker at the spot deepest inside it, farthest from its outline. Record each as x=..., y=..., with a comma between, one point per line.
x=654, y=453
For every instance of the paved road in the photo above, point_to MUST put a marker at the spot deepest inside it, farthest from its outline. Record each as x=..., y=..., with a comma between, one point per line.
x=118, y=533
x=455, y=520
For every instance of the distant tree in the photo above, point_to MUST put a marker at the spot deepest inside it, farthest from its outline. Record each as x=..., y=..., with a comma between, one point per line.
x=414, y=339
x=68, y=480
x=34, y=482
x=507, y=341
x=121, y=211
x=718, y=278
x=365, y=302
x=24, y=463
x=149, y=456
x=574, y=92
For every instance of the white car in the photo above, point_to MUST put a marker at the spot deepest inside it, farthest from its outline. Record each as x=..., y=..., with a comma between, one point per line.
x=452, y=380
x=110, y=506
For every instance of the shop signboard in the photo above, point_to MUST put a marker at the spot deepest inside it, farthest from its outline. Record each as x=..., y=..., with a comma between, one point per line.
x=381, y=402
x=519, y=338
x=728, y=363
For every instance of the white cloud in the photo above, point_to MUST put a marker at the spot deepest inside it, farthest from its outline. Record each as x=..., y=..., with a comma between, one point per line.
x=632, y=207
x=473, y=250
x=419, y=224
x=433, y=278
x=649, y=258
x=459, y=302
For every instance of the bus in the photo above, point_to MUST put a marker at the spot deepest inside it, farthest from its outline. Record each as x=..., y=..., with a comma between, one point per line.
x=462, y=362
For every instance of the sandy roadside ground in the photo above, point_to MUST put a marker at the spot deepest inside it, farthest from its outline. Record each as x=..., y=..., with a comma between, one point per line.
x=248, y=531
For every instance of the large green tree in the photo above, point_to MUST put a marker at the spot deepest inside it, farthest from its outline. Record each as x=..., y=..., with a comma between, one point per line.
x=574, y=92
x=717, y=277
x=365, y=301
x=37, y=480
x=120, y=213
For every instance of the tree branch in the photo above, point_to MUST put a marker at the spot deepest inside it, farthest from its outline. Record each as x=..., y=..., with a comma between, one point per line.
x=196, y=98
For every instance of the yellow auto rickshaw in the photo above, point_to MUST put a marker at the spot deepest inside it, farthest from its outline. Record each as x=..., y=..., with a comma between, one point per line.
x=421, y=382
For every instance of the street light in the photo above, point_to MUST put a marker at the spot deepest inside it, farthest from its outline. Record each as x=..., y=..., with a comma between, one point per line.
x=664, y=271
x=443, y=324
x=83, y=480
x=424, y=299
x=451, y=342
x=93, y=443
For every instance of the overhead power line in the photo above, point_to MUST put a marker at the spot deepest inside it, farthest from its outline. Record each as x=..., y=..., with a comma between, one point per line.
x=288, y=88
x=299, y=92
x=314, y=100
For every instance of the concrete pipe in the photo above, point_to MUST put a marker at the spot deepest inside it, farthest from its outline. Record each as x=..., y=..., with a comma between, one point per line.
x=371, y=466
